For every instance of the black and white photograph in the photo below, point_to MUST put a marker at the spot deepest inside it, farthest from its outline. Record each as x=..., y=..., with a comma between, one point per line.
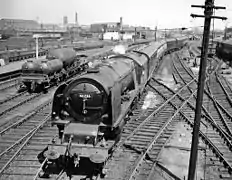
x=115, y=90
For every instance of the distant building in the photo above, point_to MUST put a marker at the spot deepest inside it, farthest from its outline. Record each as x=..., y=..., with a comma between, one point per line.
x=105, y=27
x=18, y=24
x=229, y=29
x=139, y=32
x=111, y=36
x=85, y=27
x=49, y=26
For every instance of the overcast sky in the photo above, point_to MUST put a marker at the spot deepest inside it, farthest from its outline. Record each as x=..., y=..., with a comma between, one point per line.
x=163, y=13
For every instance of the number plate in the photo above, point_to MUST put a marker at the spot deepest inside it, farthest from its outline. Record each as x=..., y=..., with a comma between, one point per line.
x=85, y=96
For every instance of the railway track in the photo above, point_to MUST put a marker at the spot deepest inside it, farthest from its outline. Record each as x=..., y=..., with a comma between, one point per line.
x=16, y=133
x=8, y=84
x=147, y=132
x=214, y=132
x=8, y=89
x=138, y=134
x=12, y=102
x=213, y=136
x=148, y=156
x=220, y=89
x=168, y=118
x=22, y=162
x=225, y=84
x=23, y=141
x=24, y=108
x=19, y=104
x=218, y=114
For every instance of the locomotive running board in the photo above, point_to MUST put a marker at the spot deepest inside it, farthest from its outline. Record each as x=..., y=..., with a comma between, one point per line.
x=31, y=77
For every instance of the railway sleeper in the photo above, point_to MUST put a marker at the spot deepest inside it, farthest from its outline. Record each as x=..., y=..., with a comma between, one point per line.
x=29, y=152
x=162, y=140
x=139, y=138
x=6, y=142
x=137, y=144
x=41, y=138
x=223, y=170
x=154, y=128
x=25, y=127
x=9, y=137
x=152, y=156
x=27, y=158
x=34, y=147
x=147, y=130
x=135, y=124
x=18, y=131
x=22, y=163
x=145, y=134
x=165, y=115
x=215, y=163
x=156, y=148
x=225, y=176
x=131, y=126
x=5, y=158
x=20, y=171
x=154, y=123
x=126, y=132
x=39, y=143
x=45, y=133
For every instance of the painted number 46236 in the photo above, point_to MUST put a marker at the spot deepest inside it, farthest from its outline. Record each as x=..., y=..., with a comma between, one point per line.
x=84, y=96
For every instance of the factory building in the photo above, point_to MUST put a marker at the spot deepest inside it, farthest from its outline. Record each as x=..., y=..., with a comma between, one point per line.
x=18, y=24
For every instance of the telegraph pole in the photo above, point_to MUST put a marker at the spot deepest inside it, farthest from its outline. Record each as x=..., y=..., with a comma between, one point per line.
x=155, y=32
x=209, y=7
x=224, y=38
x=135, y=34
x=36, y=45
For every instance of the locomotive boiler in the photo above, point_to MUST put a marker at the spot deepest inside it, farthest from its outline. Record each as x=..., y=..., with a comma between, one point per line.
x=89, y=110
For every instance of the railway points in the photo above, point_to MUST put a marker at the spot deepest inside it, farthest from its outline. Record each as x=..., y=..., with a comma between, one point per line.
x=129, y=113
x=163, y=167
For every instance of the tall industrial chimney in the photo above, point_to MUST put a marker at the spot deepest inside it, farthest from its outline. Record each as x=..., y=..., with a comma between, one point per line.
x=121, y=22
x=76, y=19
x=65, y=20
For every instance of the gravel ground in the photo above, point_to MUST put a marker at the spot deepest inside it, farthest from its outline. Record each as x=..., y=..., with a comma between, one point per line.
x=175, y=156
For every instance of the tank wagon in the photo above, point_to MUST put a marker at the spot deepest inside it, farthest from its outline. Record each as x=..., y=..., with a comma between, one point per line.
x=87, y=46
x=90, y=110
x=59, y=64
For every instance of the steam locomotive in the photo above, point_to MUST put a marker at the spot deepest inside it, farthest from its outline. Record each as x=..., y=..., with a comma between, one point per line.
x=89, y=110
x=59, y=64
